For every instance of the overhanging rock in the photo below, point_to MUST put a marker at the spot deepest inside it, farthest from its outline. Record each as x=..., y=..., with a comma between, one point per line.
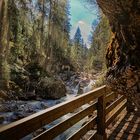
x=123, y=53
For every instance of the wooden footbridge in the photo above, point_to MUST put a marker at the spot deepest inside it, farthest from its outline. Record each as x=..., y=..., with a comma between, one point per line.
x=102, y=110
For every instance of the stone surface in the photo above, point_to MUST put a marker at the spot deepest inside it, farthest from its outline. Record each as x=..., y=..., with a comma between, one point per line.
x=3, y=95
x=28, y=96
x=124, y=49
x=51, y=88
x=1, y=118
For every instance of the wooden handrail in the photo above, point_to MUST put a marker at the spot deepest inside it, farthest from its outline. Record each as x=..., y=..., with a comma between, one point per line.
x=29, y=124
x=61, y=127
x=109, y=97
x=78, y=134
x=116, y=113
x=114, y=104
x=25, y=126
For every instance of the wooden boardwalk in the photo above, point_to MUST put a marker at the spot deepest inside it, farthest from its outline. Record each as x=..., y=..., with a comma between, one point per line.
x=127, y=127
x=105, y=110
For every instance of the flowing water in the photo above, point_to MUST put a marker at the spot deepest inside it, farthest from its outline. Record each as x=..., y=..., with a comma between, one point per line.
x=89, y=87
x=39, y=105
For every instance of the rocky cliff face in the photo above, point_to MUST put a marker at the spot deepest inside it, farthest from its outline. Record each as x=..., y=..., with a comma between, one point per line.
x=123, y=54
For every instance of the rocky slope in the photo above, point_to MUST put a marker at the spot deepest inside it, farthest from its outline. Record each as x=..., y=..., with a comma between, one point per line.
x=32, y=82
x=123, y=52
x=49, y=92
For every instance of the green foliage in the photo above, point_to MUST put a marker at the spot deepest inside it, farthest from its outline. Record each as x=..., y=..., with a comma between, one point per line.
x=36, y=33
x=33, y=32
x=78, y=51
x=100, y=81
x=5, y=70
x=101, y=38
x=78, y=38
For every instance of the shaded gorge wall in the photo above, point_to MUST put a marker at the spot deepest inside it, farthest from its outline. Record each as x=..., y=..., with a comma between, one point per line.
x=122, y=56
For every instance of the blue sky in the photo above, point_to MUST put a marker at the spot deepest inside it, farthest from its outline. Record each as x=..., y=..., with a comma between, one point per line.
x=82, y=17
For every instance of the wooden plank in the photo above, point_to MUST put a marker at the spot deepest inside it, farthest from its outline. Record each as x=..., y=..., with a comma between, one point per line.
x=83, y=130
x=108, y=89
x=63, y=126
x=114, y=104
x=25, y=126
x=93, y=136
x=116, y=113
x=110, y=97
x=130, y=107
x=101, y=116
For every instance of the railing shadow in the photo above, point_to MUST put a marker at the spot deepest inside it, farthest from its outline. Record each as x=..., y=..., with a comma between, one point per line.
x=127, y=129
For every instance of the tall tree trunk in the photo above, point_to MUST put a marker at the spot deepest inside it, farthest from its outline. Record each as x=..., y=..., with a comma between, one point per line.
x=1, y=3
x=4, y=47
x=49, y=48
x=1, y=16
x=42, y=24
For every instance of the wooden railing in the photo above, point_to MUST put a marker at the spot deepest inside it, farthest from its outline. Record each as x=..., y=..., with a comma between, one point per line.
x=95, y=100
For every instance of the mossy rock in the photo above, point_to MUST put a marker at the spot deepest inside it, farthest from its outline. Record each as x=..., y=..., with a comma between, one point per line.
x=51, y=88
x=3, y=95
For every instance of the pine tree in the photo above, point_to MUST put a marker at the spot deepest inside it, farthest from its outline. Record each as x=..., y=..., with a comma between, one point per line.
x=100, y=40
x=36, y=32
x=79, y=50
x=78, y=37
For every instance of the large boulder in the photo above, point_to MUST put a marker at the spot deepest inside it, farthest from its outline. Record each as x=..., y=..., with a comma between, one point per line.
x=28, y=96
x=51, y=88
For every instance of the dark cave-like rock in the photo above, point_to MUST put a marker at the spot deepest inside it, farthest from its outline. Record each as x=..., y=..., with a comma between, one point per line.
x=122, y=56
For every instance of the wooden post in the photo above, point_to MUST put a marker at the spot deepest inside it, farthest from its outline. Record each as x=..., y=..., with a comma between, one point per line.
x=101, y=134
x=130, y=107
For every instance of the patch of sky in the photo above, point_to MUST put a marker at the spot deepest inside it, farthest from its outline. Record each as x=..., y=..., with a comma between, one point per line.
x=83, y=17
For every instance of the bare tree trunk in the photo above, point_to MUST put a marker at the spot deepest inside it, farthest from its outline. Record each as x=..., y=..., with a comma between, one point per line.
x=1, y=3
x=1, y=16
x=48, y=49
x=42, y=24
x=4, y=47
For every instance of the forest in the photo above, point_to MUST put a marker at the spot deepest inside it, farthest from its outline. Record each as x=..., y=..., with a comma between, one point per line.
x=69, y=69
x=39, y=59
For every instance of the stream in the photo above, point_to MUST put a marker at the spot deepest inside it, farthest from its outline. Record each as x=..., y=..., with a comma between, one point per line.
x=20, y=109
